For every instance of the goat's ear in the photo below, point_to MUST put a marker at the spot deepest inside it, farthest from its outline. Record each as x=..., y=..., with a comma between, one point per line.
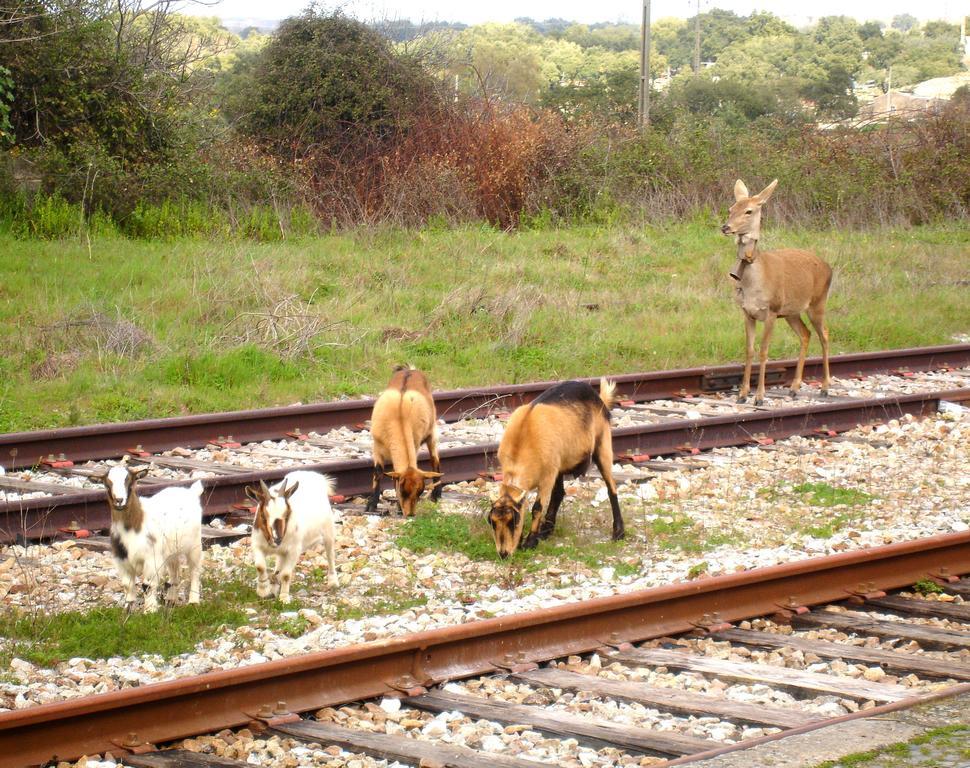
x=395, y=475
x=431, y=475
x=139, y=472
x=264, y=489
x=515, y=493
x=287, y=492
x=100, y=477
x=765, y=193
x=253, y=492
x=740, y=190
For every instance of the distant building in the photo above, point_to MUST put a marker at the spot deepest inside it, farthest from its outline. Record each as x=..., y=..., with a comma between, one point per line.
x=923, y=97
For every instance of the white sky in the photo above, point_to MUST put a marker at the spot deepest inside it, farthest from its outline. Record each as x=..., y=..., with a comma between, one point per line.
x=798, y=12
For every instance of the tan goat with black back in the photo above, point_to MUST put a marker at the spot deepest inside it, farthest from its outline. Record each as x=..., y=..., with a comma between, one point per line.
x=557, y=434
x=404, y=417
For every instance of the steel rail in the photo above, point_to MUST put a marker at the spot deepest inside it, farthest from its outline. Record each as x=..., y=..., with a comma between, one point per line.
x=43, y=516
x=100, y=441
x=176, y=709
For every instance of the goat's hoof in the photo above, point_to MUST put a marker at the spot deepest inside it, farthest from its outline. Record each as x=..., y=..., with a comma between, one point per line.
x=759, y=401
x=333, y=581
x=619, y=535
x=285, y=599
x=793, y=393
x=825, y=392
x=742, y=398
x=264, y=592
x=530, y=543
x=194, y=600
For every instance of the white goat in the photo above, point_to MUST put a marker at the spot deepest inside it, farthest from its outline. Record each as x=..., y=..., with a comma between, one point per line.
x=150, y=534
x=291, y=517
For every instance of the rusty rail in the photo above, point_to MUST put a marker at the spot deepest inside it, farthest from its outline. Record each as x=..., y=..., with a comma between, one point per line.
x=182, y=708
x=44, y=516
x=25, y=449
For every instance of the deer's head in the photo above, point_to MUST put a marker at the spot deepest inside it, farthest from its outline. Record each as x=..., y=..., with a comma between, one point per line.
x=744, y=217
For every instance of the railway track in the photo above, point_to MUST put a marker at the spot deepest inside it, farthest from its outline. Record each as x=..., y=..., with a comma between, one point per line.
x=663, y=676
x=661, y=414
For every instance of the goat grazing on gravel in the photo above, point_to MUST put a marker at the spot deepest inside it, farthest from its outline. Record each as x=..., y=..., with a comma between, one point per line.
x=149, y=535
x=557, y=434
x=404, y=418
x=771, y=284
x=291, y=517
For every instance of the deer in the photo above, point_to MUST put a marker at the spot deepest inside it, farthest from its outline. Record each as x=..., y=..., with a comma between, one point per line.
x=770, y=284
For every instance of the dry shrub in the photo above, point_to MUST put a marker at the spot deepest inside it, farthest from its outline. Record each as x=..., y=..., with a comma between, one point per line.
x=287, y=326
x=507, y=312
x=55, y=364
x=477, y=161
x=95, y=330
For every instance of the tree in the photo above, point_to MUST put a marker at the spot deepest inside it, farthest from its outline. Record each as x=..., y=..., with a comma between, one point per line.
x=904, y=22
x=500, y=60
x=114, y=77
x=942, y=30
x=870, y=30
x=324, y=80
x=833, y=95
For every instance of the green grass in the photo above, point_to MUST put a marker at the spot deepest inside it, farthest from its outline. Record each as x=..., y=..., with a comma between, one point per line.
x=940, y=746
x=434, y=531
x=471, y=305
x=106, y=632
x=819, y=520
x=46, y=639
x=378, y=601
x=676, y=532
x=825, y=495
x=927, y=587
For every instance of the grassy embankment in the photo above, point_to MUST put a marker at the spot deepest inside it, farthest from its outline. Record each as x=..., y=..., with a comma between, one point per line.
x=120, y=329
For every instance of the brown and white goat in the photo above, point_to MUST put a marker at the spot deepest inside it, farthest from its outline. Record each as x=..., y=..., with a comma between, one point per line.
x=404, y=418
x=150, y=535
x=291, y=517
x=772, y=284
x=557, y=434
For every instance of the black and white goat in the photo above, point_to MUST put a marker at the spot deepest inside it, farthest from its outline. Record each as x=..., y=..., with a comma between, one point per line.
x=150, y=535
x=291, y=517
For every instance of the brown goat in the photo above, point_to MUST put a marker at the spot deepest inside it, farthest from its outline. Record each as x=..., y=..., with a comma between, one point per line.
x=404, y=418
x=557, y=434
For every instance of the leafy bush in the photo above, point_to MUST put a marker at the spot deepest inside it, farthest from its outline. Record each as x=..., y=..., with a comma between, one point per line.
x=325, y=79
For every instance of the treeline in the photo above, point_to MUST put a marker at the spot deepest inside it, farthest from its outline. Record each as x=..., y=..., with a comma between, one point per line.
x=136, y=119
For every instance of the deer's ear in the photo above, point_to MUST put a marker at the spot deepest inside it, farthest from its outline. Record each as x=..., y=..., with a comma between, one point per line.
x=765, y=193
x=740, y=190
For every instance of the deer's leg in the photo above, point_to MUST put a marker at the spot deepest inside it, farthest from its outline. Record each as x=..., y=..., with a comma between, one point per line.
x=749, y=330
x=759, y=397
x=817, y=315
x=801, y=330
